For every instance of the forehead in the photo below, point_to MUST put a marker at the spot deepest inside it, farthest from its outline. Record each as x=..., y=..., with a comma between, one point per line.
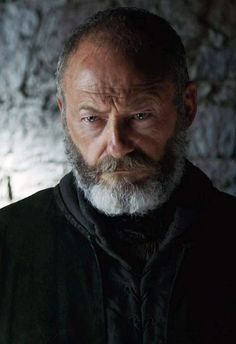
x=97, y=72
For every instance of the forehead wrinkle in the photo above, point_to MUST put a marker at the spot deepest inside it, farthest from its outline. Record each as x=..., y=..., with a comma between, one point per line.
x=102, y=88
x=97, y=100
x=103, y=94
x=136, y=92
x=128, y=101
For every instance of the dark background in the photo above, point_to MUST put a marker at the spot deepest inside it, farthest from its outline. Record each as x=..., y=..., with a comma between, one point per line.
x=31, y=35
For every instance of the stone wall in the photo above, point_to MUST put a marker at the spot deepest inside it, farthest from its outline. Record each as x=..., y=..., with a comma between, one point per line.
x=31, y=35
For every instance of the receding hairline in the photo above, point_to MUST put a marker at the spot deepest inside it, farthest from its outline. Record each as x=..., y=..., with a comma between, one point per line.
x=149, y=86
x=98, y=34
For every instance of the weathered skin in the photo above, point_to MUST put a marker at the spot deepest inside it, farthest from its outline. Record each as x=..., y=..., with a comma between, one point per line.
x=111, y=110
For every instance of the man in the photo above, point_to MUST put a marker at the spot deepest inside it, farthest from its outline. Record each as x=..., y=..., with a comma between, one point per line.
x=135, y=245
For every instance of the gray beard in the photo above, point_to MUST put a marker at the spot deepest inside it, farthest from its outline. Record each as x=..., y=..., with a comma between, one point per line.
x=122, y=196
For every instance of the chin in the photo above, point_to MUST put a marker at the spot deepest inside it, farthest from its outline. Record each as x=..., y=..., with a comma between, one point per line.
x=118, y=195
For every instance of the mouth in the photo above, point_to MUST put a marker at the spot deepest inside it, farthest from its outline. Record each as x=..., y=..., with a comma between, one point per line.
x=129, y=175
x=137, y=170
x=121, y=172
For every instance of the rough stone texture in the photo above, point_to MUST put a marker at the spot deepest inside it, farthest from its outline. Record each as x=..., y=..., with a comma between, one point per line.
x=31, y=35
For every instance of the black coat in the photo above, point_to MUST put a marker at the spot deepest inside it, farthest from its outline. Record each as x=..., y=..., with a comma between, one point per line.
x=50, y=281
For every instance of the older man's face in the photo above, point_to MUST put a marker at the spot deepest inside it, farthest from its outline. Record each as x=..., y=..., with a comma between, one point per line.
x=112, y=112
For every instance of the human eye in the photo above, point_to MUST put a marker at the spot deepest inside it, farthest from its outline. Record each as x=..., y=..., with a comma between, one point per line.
x=90, y=119
x=141, y=116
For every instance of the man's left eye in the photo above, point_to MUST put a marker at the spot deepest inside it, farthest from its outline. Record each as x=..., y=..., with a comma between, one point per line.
x=141, y=116
x=90, y=119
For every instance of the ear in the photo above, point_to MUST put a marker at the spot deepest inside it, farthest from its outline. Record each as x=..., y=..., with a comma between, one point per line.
x=190, y=102
x=59, y=103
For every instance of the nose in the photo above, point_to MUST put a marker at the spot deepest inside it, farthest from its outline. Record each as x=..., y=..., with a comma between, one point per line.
x=119, y=143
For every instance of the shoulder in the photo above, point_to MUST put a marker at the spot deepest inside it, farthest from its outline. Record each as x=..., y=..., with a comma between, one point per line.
x=38, y=203
x=216, y=220
x=199, y=188
x=223, y=204
x=28, y=218
x=221, y=215
x=216, y=228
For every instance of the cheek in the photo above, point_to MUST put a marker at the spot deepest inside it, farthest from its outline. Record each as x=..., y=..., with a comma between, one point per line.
x=93, y=151
x=77, y=136
x=87, y=145
x=151, y=145
x=154, y=141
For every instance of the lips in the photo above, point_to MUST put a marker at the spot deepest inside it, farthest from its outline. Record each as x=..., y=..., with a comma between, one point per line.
x=129, y=176
x=138, y=170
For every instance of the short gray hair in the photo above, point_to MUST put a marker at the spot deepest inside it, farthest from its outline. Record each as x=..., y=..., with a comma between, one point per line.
x=143, y=37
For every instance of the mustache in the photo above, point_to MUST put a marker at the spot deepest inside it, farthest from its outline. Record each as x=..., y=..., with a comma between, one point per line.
x=134, y=161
